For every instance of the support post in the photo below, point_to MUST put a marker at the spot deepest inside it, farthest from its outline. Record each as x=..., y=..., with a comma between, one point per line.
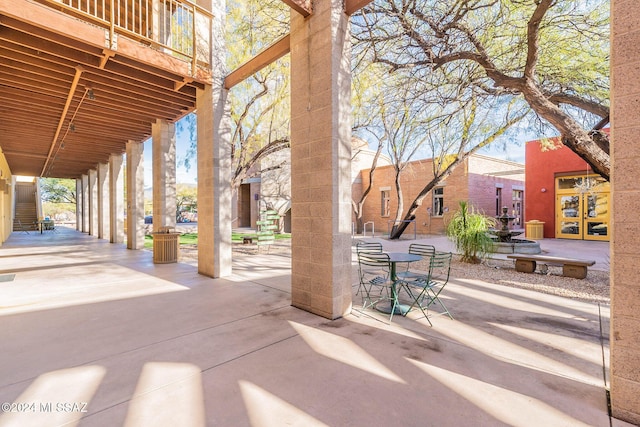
x=79, y=212
x=116, y=199
x=103, y=201
x=93, y=202
x=164, y=174
x=625, y=223
x=321, y=160
x=214, y=161
x=85, y=203
x=135, y=195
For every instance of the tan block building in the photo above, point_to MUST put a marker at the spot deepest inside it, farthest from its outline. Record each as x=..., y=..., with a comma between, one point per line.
x=487, y=183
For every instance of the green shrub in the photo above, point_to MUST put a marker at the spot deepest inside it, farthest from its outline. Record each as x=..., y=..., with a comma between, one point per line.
x=469, y=231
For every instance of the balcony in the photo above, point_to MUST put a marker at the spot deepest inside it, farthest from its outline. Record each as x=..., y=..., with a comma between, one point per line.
x=80, y=78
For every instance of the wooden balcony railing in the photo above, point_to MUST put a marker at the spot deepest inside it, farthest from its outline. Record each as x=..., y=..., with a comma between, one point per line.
x=175, y=26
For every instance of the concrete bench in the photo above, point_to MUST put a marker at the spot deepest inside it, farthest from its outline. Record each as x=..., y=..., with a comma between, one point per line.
x=576, y=268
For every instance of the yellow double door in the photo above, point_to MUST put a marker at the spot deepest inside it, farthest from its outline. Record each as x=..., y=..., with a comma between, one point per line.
x=582, y=208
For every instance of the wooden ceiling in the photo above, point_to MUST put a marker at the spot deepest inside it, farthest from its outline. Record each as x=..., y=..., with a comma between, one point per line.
x=67, y=102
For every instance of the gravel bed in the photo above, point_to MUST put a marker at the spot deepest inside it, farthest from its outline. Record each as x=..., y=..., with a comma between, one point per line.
x=593, y=288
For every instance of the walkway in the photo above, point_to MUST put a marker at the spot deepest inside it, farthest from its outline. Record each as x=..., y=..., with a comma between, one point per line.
x=96, y=335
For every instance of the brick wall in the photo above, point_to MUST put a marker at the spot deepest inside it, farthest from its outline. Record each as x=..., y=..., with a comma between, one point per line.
x=472, y=180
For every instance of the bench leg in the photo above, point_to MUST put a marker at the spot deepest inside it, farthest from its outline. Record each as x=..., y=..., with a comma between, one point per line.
x=525, y=266
x=575, y=271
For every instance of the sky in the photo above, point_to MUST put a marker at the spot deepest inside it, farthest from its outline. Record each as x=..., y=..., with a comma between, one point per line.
x=182, y=175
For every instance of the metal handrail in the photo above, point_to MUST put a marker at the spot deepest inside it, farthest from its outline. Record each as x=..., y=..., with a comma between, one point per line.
x=175, y=23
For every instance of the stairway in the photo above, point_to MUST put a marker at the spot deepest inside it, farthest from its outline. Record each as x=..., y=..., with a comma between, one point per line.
x=26, y=210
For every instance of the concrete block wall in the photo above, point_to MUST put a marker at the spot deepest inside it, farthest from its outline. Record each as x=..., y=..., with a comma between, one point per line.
x=625, y=251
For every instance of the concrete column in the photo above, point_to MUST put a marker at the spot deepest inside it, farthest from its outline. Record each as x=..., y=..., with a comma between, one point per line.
x=78, y=204
x=85, y=203
x=164, y=174
x=93, y=202
x=116, y=199
x=321, y=160
x=103, y=201
x=625, y=223
x=214, y=161
x=135, y=195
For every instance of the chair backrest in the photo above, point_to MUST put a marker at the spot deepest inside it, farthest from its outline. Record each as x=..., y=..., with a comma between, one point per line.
x=373, y=263
x=369, y=247
x=422, y=249
x=440, y=267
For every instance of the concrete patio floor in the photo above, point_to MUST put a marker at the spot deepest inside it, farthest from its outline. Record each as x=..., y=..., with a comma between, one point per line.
x=94, y=334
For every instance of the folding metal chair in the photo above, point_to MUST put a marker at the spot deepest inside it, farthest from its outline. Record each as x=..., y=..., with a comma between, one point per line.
x=373, y=271
x=425, y=293
x=21, y=226
x=426, y=252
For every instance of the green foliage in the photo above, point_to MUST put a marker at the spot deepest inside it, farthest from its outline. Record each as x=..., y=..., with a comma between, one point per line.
x=192, y=238
x=186, y=199
x=468, y=230
x=260, y=104
x=57, y=190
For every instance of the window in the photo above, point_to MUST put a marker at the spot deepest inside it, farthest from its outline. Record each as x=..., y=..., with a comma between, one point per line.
x=438, y=201
x=498, y=201
x=384, y=202
x=517, y=207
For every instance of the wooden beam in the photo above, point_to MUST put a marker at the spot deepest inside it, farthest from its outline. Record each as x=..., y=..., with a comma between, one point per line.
x=303, y=7
x=72, y=90
x=23, y=154
x=272, y=53
x=352, y=6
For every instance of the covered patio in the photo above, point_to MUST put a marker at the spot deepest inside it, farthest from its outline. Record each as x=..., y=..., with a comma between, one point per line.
x=94, y=334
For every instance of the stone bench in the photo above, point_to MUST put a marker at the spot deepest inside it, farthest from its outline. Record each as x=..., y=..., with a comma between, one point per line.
x=576, y=268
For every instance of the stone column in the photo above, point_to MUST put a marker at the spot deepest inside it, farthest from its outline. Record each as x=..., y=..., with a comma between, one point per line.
x=85, y=203
x=321, y=160
x=214, y=160
x=164, y=174
x=625, y=223
x=135, y=195
x=103, y=201
x=116, y=199
x=93, y=202
x=78, y=204
x=214, y=186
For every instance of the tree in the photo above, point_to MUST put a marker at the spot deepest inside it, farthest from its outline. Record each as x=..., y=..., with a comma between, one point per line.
x=259, y=105
x=405, y=131
x=358, y=205
x=454, y=140
x=186, y=199
x=551, y=55
x=58, y=190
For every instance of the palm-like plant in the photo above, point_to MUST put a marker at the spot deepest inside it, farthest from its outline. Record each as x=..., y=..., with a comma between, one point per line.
x=469, y=231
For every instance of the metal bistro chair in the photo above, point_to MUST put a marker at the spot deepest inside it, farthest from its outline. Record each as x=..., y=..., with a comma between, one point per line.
x=426, y=292
x=374, y=281
x=21, y=227
x=361, y=247
x=426, y=252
